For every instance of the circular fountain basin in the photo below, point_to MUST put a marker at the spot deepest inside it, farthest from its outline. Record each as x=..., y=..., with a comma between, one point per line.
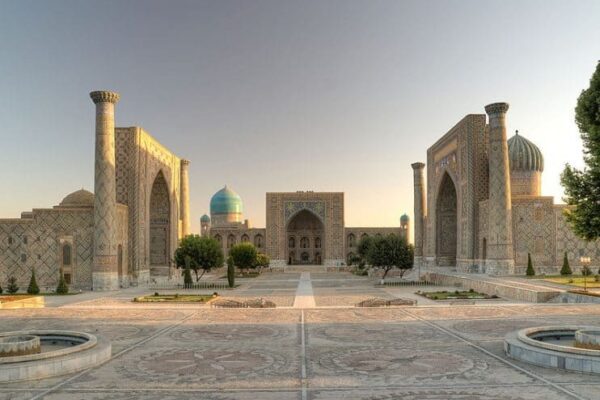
x=61, y=352
x=553, y=347
x=19, y=345
x=588, y=339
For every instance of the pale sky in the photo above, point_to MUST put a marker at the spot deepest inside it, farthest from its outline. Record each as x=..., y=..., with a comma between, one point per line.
x=285, y=95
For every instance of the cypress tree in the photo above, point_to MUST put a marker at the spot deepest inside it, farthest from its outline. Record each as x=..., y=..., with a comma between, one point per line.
x=187, y=274
x=230, y=272
x=62, y=287
x=530, y=271
x=566, y=268
x=582, y=187
x=33, y=286
x=12, y=287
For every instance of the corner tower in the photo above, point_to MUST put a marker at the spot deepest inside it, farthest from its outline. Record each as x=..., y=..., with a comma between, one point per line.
x=500, y=256
x=105, y=275
x=419, y=189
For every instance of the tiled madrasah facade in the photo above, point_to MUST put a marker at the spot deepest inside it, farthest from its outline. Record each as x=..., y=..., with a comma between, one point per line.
x=481, y=208
x=124, y=234
x=302, y=227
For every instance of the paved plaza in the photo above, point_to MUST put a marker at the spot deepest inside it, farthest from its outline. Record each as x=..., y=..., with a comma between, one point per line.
x=315, y=345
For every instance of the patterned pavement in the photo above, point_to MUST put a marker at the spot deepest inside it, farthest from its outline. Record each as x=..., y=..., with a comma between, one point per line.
x=425, y=352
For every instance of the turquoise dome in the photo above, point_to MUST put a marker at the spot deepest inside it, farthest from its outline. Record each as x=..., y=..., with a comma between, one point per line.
x=226, y=201
x=523, y=155
x=404, y=218
x=205, y=218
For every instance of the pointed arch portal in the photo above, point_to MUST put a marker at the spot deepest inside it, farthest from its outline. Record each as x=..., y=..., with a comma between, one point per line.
x=307, y=226
x=446, y=222
x=160, y=221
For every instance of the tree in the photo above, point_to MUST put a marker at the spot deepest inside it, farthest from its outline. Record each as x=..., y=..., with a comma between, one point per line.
x=390, y=252
x=262, y=261
x=566, y=268
x=586, y=271
x=204, y=252
x=582, y=187
x=12, y=287
x=1, y=290
x=62, y=287
x=33, y=286
x=362, y=248
x=187, y=273
x=530, y=271
x=230, y=272
x=243, y=255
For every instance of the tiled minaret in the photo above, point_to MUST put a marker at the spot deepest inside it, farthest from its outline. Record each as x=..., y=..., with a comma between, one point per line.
x=419, y=211
x=185, y=198
x=104, y=273
x=500, y=256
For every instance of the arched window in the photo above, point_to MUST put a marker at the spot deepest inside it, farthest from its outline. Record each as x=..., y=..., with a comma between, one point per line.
x=66, y=254
x=245, y=238
x=351, y=240
x=304, y=243
x=317, y=243
x=364, y=235
x=230, y=241
x=304, y=257
x=219, y=239
x=317, y=258
x=291, y=242
x=258, y=241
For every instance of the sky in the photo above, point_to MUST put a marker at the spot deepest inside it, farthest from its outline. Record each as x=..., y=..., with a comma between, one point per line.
x=270, y=96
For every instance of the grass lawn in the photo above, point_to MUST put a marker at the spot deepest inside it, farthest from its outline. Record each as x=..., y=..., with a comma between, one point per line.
x=573, y=280
x=176, y=298
x=456, y=295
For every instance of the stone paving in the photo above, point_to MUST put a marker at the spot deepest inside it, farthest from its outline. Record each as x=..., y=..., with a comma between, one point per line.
x=427, y=352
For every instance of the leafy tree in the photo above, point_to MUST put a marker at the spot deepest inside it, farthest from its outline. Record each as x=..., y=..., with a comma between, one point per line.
x=582, y=187
x=33, y=286
x=204, y=252
x=566, y=268
x=388, y=252
x=530, y=271
x=230, y=272
x=243, y=255
x=262, y=261
x=187, y=273
x=586, y=271
x=62, y=287
x=12, y=287
x=362, y=249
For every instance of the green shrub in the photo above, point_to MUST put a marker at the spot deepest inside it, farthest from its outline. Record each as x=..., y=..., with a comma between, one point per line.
x=62, y=287
x=1, y=290
x=471, y=290
x=230, y=272
x=33, y=286
x=156, y=294
x=566, y=268
x=530, y=271
x=586, y=271
x=12, y=287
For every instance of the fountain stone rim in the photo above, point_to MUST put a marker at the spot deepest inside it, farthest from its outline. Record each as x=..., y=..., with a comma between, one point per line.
x=89, y=342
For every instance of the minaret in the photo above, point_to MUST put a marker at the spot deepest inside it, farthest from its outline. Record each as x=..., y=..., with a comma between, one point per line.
x=204, y=225
x=500, y=256
x=419, y=211
x=185, y=198
x=105, y=275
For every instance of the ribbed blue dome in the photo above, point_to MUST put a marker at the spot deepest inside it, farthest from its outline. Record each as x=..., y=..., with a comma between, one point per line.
x=404, y=218
x=225, y=201
x=205, y=218
x=523, y=155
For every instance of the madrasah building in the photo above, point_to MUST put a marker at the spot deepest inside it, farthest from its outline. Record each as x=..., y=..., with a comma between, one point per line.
x=302, y=227
x=481, y=208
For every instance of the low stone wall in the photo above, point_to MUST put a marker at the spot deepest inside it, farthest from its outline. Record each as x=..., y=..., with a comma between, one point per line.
x=490, y=287
x=25, y=302
x=574, y=298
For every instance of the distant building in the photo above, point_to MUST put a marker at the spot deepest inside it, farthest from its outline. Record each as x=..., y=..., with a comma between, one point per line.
x=302, y=227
